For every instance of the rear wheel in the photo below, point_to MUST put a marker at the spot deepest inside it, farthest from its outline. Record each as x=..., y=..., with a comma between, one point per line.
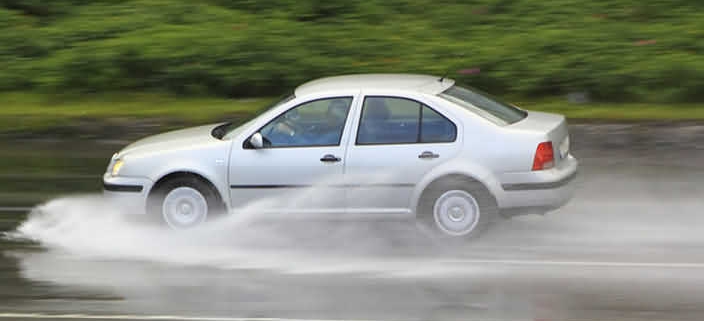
x=184, y=202
x=456, y=207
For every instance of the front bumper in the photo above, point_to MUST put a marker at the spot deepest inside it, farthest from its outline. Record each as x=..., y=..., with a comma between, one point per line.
x=128, y=194
x=538, y=191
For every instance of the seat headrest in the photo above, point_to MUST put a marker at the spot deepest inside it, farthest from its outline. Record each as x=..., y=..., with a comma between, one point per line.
x=376, y=109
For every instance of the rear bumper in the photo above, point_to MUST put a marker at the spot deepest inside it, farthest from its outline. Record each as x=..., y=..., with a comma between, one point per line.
x=538, y=192
x=128, y=194
x=552, y=185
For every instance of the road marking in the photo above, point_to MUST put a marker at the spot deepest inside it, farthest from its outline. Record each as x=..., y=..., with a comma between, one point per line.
x=141, y=317
x=37, y=316
x=15, y=209
x=580, y=263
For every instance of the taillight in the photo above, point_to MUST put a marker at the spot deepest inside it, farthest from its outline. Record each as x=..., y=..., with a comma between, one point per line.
x=544, y=157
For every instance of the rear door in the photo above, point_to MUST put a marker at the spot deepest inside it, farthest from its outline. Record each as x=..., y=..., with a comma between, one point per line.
x=397, y=141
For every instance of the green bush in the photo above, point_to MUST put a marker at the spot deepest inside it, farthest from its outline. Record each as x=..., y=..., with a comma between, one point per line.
x=615, y=49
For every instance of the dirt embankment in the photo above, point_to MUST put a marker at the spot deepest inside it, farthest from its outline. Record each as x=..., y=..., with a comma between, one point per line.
x=655, y=143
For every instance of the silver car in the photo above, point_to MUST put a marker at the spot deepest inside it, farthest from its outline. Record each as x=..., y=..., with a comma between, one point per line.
x=380, y=145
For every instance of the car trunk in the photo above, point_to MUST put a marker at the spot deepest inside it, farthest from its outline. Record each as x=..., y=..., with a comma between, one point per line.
x=552, y=125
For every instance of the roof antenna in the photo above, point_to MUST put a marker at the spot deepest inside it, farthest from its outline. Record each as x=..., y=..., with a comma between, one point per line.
x=444, y=75
x=447, y=71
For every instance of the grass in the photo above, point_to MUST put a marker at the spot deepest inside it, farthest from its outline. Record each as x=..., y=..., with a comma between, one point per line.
x=600, y=111
x=29, y=112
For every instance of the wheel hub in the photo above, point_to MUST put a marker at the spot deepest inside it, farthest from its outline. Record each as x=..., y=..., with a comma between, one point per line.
x=456, y=212
x=184, y=207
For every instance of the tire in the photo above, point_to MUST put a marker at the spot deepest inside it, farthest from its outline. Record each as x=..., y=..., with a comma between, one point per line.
x=457, y=208
x=184, y=202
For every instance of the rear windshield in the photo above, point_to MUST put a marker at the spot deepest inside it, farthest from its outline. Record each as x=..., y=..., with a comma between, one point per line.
x=484, y=104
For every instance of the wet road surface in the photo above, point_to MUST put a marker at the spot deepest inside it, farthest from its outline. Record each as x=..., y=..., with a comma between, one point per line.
x=628, y=247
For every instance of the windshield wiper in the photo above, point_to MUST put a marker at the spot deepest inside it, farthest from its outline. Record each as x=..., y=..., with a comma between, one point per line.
x=220, y=131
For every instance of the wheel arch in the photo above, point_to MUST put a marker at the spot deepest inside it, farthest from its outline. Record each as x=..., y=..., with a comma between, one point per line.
x=479, y=176
x=190, y=174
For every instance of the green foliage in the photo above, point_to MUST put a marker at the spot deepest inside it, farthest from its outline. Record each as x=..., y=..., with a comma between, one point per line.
x=615, y=49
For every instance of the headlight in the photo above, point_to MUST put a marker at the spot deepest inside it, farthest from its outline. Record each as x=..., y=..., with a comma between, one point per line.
x=116, y=167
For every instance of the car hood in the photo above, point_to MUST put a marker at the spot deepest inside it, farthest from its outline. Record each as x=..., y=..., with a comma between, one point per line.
x=177, y=139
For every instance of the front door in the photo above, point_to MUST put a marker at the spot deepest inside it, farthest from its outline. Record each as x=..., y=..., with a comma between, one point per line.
x=303, y=149
x=398, y=141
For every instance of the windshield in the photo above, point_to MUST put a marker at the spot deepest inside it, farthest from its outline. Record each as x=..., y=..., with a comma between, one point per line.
x=483, y=104
x=225, y=131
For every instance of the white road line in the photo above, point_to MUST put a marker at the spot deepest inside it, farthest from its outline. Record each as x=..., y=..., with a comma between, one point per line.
x=15, y=209
x=38, y=316
x=681, y=265
x=35, y=316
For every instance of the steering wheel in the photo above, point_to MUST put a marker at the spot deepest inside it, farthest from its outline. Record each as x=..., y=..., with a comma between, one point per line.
x=283, y=132
x=293, y=128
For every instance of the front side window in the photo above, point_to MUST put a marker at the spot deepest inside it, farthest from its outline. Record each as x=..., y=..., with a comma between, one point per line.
x=315, y=123
x=393, y=120
x=483, y=104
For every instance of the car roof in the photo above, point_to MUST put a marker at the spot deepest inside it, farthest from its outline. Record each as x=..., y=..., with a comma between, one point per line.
x=422, y=83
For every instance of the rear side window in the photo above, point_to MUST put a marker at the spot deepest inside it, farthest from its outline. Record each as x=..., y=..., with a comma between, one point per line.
x=435, y=128
x=393, y=120
x=483, y=104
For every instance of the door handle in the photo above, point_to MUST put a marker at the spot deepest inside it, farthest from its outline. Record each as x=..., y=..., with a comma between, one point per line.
x=428, y=155
x=330, y=158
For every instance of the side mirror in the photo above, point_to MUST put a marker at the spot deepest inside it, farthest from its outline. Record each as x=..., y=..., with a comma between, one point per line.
x=257, y=141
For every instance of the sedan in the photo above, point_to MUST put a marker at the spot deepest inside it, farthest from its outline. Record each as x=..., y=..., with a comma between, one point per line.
x=377, y=146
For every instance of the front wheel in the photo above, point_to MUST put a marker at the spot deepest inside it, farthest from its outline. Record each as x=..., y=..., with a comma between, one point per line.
x=184, y=202
x=456, y=208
